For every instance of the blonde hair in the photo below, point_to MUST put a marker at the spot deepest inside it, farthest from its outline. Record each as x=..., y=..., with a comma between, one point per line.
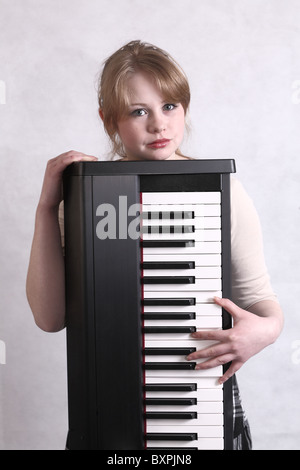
x=113, y=93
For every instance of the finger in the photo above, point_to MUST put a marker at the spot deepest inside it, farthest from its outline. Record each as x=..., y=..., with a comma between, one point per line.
x=58, y=164
x=229, y=306
x=234, y=367
x=215, y=362
x=89, y=158
x=209, y=352
x=214, y=335
x=74, y=156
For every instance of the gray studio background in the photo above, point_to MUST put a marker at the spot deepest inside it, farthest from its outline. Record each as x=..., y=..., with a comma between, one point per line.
x=242, y=58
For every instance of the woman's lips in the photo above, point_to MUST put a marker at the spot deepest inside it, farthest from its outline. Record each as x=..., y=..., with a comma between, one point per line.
x=158, y=144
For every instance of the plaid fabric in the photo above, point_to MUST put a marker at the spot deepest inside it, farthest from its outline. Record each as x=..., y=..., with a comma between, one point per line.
x=241, y=429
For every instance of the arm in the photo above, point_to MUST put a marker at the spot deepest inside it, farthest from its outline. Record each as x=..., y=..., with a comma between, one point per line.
x=253, y=330
x=45, y=285
x=257, y=317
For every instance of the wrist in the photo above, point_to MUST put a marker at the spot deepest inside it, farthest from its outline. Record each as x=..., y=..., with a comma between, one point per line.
x=271, y=312
x=274, y=328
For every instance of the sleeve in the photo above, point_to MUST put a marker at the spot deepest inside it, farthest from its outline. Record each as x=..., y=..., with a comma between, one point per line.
x=250, y=278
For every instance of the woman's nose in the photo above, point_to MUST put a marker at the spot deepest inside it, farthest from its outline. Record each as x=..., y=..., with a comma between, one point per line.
x=157, y=124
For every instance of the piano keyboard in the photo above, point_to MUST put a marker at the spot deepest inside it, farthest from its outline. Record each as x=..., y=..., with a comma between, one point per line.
x=116, y=355
x=181, y=273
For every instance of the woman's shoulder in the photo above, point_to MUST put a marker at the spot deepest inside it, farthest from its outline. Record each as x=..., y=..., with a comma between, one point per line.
x=238, y=191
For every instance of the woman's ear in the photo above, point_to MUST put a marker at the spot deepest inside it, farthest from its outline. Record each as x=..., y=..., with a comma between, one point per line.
x=101, y=114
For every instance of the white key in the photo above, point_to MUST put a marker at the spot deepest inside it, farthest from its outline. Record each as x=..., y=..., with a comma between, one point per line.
x=166, y=358
x=211, y=259
x=199, y=285
x=203, y=309
x=206, y=322
x=189, y=374
x=181, y=338
x=199, y=222
x=202, y=383
x=203, y=272
x=198, y=248
x=201, y=235
x=203, y=419
x=201, y=407
x=208, y=394
x=204, y=197
x=202, y=395
x=189, y=343
x=170, y=357
x=201, y=297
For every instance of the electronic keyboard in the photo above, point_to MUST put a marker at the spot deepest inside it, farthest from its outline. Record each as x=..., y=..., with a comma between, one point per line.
x=147, y=247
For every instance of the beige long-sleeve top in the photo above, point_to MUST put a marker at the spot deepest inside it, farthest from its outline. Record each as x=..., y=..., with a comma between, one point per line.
x=250, y=278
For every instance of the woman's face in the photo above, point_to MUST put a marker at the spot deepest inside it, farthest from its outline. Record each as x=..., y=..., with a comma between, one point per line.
x=153, y=128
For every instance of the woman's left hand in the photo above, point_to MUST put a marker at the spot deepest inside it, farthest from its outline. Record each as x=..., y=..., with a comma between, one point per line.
x=249, y=335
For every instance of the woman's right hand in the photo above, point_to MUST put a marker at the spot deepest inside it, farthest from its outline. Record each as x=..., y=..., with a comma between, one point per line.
x=51, y=194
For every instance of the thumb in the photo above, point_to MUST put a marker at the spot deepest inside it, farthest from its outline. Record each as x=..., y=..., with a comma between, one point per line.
x=234, y=367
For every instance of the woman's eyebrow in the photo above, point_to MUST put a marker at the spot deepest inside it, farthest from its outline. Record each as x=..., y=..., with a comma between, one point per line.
x=137, y=104
x=145, y=105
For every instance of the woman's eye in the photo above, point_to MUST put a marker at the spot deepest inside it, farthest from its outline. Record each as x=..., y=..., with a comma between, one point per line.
x=169, y=106
x=139, y=112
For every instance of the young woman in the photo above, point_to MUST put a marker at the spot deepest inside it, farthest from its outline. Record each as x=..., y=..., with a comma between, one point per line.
x=143, y=101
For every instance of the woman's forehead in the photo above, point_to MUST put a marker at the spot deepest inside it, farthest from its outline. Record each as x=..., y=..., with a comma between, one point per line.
x=141, y=87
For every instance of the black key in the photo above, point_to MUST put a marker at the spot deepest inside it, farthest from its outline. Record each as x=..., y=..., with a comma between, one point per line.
x=168, y=243
x=170, y=387
x=168, y=280
x=171, y=436
x=168, y=265
x=171, y=301
x=171, y=401
x=168, y=351
x=169, y=315
x=171, y=415
x=169, y=365
x=164, y=215
x=168, y=329
x=168, y=229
